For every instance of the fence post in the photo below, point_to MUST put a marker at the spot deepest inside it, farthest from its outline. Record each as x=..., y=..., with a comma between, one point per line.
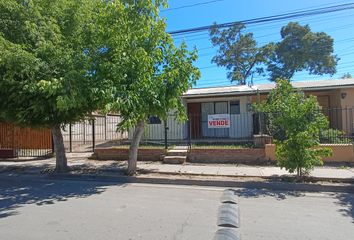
x=260, y=124
x=53, y=149
x=84, y=131
x=105, y=127
x=93, y=134
x=70, y=138
x=189, y=134
x=166, y=128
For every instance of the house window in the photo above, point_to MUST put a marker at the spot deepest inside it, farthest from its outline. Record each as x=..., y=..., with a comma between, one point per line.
x=235, y=107
x=154, y=120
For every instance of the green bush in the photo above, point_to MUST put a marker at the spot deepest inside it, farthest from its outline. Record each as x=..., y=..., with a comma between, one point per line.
x=334, y=136
x=298, y=120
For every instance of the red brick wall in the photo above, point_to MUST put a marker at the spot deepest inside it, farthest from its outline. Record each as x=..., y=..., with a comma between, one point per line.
x=122, y=154
x=244, y=156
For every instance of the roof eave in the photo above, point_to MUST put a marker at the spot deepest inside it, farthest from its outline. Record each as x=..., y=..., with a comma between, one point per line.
x=223, y=94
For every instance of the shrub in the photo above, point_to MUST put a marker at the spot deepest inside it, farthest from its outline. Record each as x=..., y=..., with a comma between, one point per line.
x=296, y=123
x=334, y=136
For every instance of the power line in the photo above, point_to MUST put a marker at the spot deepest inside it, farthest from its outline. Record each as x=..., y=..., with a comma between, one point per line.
x=183, y=38
x=191, y=5
x=313, y=21
x=273, y=18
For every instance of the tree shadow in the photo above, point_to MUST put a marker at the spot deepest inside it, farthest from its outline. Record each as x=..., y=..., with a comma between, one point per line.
x=258, y=193
x=346, y=202
x=116, y=167
x=17, y=191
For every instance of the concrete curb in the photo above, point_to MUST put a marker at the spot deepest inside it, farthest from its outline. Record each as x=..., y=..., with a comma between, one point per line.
x=274, y=177
x=180, y=175
x=237, y=183
x=256, y=183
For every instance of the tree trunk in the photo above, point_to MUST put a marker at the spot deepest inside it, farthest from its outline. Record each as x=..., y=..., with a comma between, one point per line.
x=61, y=164
x=299, y=172
x=133, y=150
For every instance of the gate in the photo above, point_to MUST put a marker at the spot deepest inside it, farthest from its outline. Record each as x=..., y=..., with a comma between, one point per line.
x=24, y=142
x=99, y=130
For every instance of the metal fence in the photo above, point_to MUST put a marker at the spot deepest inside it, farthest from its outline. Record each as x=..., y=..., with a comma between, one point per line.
x=341, y=125
x=85, y=135
x=101, y=131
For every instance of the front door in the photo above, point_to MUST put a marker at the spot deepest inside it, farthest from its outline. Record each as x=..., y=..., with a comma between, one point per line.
x=194, y=118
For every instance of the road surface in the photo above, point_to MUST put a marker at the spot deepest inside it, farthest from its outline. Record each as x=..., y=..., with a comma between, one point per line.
x=41, y=208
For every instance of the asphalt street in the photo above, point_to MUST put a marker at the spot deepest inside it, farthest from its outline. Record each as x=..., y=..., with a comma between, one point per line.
x=42, y=208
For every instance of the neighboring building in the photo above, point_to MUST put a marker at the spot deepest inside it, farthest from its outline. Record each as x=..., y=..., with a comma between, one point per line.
x=336, y=97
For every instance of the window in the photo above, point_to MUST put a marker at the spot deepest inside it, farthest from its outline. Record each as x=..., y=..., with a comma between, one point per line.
x=235, y=107
x=154, y=120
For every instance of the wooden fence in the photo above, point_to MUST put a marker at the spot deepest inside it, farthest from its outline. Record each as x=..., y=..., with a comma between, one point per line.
x=24, y=142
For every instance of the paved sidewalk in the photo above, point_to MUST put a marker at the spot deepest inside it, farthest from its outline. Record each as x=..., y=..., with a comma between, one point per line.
x=81, y=162
x=244, y=171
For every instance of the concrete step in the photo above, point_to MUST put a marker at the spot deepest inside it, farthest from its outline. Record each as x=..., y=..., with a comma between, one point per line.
x=180, y=147
x=177, y=152
x=175, y=159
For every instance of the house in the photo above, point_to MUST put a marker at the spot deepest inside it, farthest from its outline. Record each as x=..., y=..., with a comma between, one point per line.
x=233, y=105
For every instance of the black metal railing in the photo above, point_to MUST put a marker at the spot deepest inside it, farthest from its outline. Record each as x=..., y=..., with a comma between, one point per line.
x=101, y=131
x=341, y=125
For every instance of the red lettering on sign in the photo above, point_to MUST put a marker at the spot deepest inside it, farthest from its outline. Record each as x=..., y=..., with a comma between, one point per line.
x=219, y=122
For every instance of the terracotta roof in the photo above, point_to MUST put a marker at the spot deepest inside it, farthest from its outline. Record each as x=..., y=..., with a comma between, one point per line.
x=245, y=89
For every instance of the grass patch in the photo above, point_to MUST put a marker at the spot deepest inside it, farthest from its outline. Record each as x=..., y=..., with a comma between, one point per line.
x=141, y=146
x=149, y=145
x=222, y=146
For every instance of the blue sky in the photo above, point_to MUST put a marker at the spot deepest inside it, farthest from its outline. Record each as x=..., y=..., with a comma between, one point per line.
x=339, y=25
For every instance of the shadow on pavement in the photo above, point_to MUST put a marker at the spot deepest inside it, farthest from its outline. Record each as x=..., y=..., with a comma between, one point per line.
x=346, y=201
x=256, y=193
x=16, y=191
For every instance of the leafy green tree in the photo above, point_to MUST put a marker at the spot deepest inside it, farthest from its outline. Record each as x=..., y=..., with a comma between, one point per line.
x=46, y=65
x=299, y=49
x=238, y=52
x=151, y=74
x=302, y=122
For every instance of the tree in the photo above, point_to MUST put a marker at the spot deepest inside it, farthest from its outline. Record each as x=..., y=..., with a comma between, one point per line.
x=46, y=77
x=149, y=78
x=299, y=49
x=346, y=75
x=302, y=122
x=238, y=52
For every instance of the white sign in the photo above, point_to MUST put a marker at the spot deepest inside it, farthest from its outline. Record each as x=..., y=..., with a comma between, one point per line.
x=219, y=121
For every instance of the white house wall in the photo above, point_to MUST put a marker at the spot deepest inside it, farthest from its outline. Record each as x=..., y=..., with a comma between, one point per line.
x=241, y=125
x=176, y=130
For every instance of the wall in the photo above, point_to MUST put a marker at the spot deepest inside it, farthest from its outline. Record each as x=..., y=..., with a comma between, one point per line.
x=241, y=125
x=347, y=104
x=335, y=114
x=123, y=154
x=240, y=156
x=176, y=130
x=340, y=152
x=236, y=156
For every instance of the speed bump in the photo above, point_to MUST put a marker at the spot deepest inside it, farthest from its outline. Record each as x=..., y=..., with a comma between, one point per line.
x=226, y=234
x=228, y=216
x=229, y=196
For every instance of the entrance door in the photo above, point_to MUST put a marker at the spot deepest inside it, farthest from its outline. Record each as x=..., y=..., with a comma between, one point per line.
x=194, y=118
